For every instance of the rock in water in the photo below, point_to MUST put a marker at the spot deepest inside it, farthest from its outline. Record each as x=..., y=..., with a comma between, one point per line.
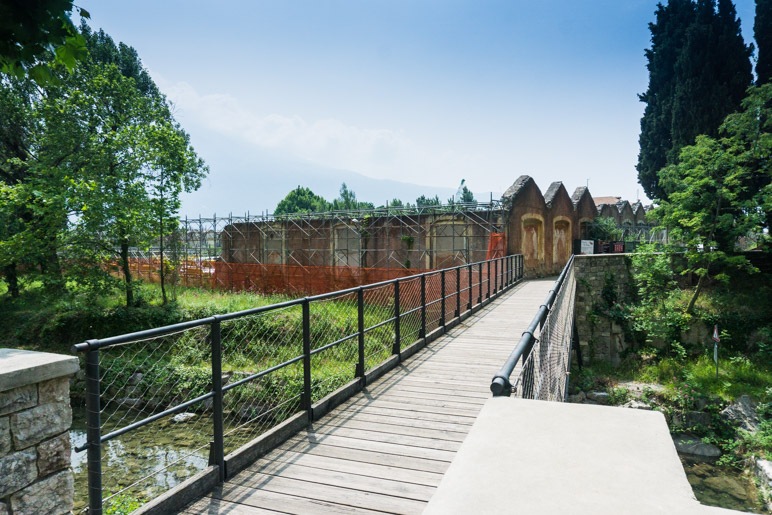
x=183, y=417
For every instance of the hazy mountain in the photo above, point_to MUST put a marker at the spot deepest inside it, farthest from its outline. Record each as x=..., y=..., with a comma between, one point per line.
x=258, y=184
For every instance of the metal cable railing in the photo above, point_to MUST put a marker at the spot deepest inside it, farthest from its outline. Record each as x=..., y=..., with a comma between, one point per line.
x=544, y=347
x=236, y=376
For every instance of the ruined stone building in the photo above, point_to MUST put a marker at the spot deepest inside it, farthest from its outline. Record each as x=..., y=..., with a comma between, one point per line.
x=343, y=249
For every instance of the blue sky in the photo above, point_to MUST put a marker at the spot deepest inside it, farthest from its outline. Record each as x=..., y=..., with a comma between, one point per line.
x=424, y=92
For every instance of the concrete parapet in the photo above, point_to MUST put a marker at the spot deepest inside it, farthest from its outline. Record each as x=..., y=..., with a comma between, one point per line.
x=35, y=419
x=525, y=456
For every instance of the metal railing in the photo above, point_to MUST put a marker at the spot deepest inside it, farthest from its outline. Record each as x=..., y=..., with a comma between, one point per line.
x=544, y=347
x=239, y=375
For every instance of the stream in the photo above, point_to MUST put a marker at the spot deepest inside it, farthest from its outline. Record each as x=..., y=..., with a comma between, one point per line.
x=158, y=457
x=722, y=487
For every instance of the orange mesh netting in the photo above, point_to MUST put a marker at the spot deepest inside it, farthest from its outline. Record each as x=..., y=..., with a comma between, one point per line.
x=497, y=246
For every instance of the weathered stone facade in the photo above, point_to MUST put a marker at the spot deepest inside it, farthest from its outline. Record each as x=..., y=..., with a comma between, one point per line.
x=600, y=280
x=35, y=419
x=541, y=227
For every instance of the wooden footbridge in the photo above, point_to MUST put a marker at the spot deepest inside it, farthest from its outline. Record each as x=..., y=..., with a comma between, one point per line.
x=386, y=449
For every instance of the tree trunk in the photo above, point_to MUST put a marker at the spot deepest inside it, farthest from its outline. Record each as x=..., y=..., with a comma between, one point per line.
x=162, y=271
x=693, y=300
x=12, y=279
x=127, y=273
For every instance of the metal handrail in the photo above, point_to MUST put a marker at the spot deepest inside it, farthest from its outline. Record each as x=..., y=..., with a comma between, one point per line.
x=500, y=384
x=508, y=272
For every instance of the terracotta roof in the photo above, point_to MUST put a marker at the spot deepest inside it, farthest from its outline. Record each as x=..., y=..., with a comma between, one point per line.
x=606, y=200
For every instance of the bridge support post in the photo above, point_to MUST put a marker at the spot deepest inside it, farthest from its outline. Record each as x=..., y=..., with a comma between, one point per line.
x=442, y=297
x=307, y=402
x=217, y=446
x=396, y=348
x=360, y=372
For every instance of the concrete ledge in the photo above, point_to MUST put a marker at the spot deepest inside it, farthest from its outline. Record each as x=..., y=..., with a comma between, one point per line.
x=555, y=458
x=21, y=367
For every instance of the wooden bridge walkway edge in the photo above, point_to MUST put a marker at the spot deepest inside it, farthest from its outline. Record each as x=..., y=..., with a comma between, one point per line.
x=384, y=447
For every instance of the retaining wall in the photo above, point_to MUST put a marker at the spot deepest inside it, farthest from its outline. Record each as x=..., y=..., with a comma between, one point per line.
x=35, y=419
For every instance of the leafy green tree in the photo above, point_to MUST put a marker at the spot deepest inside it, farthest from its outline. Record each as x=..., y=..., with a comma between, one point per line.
x=699, y=68
x=37, y=34
x=424, y=201
x=719, y=191
x=348, y=201
x=762, y=31
x=104, y=166
x=301, y=200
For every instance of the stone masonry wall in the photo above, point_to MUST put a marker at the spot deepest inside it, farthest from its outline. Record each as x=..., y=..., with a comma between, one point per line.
x=600, y=337
x=35, y=418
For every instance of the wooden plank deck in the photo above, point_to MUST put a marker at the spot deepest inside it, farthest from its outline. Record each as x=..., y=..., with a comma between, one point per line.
x=386, y=449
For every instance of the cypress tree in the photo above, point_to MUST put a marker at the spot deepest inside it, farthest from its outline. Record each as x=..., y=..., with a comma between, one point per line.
x=668, y=33
x=762, y=31
x=699, y=70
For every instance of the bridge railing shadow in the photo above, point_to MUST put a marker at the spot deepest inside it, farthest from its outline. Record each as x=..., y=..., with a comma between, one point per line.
x=257, y=375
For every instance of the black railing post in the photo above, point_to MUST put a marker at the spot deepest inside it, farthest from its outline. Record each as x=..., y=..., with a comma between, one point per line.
x=218, y=440
x=471, y=291
x=480, y=280
x=442, y=297
x=489, y=280
x=397, y=347
x=496, y=275
x=307, y=402
x=458, y=292
x=360, y=372
x=422, y=334
x=93, y=433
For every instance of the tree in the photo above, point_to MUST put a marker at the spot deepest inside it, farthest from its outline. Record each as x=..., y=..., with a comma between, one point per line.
x=348, y=201
x=301, y=200
x=424, y=201
x=762, y=31
x=102, y=164
x=719, y=191
x=37, y=34
x=699, y=68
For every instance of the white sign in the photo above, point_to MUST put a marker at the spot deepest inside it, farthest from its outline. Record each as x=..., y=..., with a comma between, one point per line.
x=588, y=247
x=715, y=334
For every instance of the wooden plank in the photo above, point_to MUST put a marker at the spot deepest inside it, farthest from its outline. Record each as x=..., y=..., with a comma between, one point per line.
x=266, y=471
x=412, y=440
x=383, y=447
x=375, y=470
x=324, y=493
x=365, y=456
x=386, y=449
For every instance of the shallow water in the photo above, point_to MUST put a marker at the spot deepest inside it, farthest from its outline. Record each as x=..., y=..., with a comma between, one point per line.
x=156, y=457
x=722, y=487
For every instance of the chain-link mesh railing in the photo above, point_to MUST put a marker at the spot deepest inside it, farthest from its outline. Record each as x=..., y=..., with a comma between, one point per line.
x=210, y=386
x=546, y=370
x=541, y=360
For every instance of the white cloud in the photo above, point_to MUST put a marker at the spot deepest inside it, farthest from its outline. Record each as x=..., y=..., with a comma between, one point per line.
x=329, y=142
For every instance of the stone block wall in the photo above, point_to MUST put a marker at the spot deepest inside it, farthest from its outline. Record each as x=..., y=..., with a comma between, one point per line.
x=600, y=336
x=35, y=419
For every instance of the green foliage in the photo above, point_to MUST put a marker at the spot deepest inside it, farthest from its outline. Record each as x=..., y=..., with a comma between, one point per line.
x=699, y=68
x=122, y=504
x=36, y=37
x=424, y=201
x=605, y=228
x=89, y=163
x=301, y=200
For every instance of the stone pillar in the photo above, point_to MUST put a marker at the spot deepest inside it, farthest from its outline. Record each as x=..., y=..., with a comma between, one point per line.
x=35, y=419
